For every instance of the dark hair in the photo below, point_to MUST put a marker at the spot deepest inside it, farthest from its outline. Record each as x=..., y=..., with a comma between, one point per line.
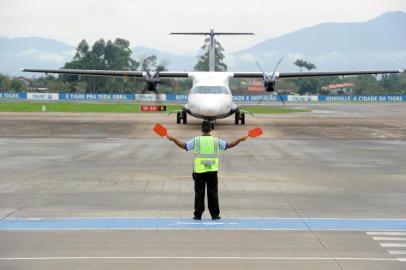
x=206, y=126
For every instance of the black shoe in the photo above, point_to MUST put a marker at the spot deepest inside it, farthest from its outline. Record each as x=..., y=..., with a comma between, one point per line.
x=216, y=218
x=197, y=218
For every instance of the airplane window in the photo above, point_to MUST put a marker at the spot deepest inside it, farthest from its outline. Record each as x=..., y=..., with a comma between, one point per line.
x=209, y=90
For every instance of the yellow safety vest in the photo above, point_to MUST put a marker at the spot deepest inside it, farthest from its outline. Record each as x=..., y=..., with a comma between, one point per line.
x=207, y=149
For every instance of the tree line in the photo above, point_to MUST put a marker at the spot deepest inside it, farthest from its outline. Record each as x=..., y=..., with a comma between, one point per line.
x=117, y=55
x=363, y=84
x=110, y=55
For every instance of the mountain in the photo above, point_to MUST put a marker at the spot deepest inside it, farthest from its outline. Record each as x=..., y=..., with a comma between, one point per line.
x=177, y=62
x=375, y=44
x=32, y=52
x=379, y=43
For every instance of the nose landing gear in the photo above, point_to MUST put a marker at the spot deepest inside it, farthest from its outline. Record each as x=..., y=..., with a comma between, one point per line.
x=239, y=118
x=181, y=116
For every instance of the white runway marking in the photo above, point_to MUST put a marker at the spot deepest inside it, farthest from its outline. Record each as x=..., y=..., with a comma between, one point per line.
x=199, y=258
x=389, y=238
x=387, y=233
x=397, y=251
x=392, y=245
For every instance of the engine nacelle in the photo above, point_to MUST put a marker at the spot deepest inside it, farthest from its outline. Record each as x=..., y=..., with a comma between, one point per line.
x=151, y=81
x=151, y=85
x=270, y=86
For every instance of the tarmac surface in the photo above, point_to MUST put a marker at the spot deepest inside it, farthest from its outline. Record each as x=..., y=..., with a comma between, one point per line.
x=342, y=165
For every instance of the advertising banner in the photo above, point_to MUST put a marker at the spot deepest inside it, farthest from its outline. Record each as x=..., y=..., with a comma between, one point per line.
x=377, y=98
x=13, y=95
x=95, y=96
x=292, y=98
x=183, y=98
x=151, y=97
x=42, y=96
x=173, y=97
x=258, y=98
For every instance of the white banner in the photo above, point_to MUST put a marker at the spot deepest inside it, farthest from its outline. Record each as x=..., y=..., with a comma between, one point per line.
x=302, y=98
x=43, y=96
x=151, y=97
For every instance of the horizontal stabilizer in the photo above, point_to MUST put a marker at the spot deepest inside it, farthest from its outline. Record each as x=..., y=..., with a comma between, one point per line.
x=211, y=33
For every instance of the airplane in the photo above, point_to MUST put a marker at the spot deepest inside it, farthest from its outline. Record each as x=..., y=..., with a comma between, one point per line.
x=210, y=98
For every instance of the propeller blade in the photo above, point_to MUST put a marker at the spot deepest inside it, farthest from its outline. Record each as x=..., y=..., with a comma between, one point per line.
x=276, y=67
x=264, y=75
x=281, y=98
x=262, y=99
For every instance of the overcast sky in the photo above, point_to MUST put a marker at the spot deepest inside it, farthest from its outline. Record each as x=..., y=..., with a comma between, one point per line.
x=148, y=22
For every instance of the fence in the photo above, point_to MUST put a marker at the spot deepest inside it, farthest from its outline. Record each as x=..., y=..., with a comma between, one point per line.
x=110, y=97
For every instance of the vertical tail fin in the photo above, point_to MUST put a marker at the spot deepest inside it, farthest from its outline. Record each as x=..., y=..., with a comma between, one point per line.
x=212, y=49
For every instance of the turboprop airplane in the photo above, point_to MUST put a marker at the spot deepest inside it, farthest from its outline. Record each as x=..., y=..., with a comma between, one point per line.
x=210, y=97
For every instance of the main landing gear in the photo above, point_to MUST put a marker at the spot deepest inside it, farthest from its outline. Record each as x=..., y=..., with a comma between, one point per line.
x=181, y=116
x=239, y=118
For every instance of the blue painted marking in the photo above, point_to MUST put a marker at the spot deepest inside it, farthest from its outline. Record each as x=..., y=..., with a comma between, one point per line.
x=184, y=223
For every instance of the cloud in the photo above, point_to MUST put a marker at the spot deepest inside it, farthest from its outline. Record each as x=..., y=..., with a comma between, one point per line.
x=54, y=58
x=149, y=22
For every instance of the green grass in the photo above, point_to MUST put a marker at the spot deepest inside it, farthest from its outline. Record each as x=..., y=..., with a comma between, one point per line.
x=114, y=107
x=77, y=107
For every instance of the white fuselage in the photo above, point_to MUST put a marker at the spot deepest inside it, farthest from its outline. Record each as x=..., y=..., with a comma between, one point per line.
x=210, y=97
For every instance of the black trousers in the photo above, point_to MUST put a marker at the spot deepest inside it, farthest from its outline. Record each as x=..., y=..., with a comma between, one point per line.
x=201, y=180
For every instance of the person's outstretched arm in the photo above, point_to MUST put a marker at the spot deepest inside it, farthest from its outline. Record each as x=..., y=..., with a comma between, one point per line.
x=237, y=141
x=179, y=143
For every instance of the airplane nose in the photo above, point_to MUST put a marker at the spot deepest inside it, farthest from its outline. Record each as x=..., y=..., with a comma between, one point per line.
x=210, y=105
x=209, y=110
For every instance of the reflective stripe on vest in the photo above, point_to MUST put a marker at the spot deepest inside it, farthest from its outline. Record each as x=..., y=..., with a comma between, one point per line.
x=206, y=154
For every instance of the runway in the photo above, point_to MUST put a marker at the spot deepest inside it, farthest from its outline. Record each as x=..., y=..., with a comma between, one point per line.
x=339, y=165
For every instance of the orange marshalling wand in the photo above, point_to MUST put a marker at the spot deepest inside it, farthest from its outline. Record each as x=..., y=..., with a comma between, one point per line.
x=255, y=132
x=160, y=130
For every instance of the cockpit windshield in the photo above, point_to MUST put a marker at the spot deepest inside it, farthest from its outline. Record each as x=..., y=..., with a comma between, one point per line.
x=209, y=90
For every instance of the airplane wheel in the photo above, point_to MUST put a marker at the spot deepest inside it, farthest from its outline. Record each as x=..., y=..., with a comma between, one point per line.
x=184, y=117
x=178, y=118
x=237, y=117
x=242, y=118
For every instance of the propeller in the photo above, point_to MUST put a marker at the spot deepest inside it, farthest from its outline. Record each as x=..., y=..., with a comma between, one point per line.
x=270, y=79
x=152, y=81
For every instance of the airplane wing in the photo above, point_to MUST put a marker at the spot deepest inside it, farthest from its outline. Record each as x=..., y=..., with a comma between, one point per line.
x=170, y=74
x=108, y=73
x=314, y=74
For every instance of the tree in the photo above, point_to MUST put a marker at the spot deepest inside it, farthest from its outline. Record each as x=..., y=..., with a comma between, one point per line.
x=118, y=55
x=304, y=64
x=203, y=60
x=102, y=56
x=300, y=63
x=391, y=82
x=148, y=63
x=82, y=51
x=4, y=83
x=311, y=85
x=309, y=66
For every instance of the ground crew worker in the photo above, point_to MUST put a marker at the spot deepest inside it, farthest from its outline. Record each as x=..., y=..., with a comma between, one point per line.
x=206, y=163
